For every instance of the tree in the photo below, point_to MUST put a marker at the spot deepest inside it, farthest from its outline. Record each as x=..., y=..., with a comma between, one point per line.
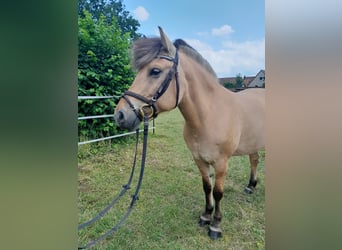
x=110, y=9
x=103, y=69
x=239, y=81
x=229, y=85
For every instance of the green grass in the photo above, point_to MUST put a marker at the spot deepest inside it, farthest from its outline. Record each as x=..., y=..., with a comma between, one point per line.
x=171, y=196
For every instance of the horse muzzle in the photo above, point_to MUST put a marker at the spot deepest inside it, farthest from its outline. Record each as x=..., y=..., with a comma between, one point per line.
x=131, y=119
x=126, y=119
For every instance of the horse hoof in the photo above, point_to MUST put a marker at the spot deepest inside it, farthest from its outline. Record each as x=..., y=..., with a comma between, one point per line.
x=248, y=190
x=213, y=234
x=203, y=222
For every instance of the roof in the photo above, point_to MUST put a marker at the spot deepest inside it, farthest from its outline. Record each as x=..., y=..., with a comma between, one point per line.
x=246, y=79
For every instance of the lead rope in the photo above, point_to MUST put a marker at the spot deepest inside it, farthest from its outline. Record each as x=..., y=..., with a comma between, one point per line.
x=135, y=196
x=123, y=191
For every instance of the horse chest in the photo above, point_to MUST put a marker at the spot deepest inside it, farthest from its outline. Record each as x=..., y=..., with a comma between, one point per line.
x=202, y=149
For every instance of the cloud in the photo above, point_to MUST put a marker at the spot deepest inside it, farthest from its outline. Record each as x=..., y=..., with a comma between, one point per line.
x=222, y=31
x=141, y=14
x=202, y=33
x=232, y=58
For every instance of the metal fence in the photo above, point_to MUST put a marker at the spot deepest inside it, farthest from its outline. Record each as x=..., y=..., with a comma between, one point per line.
x=104, y=116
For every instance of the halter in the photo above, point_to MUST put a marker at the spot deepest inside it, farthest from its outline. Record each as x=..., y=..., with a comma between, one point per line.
x=150, y=103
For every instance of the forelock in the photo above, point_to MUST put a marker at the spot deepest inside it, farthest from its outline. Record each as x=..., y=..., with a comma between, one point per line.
x=144, y=51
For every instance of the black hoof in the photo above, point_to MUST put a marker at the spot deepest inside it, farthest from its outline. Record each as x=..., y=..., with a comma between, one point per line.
x=214, y=234
x=249, y=190
x=203, y=223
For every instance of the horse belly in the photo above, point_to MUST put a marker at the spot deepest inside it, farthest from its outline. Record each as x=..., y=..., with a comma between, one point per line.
x=250, y=143
x=252, y=122
x=248, y=150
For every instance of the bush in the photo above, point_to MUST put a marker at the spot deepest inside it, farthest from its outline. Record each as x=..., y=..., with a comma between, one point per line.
x=103, y=69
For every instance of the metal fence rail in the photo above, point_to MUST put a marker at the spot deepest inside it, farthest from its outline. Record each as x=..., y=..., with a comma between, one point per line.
x=97, y=97
x=104, y=116
x=94, y=117
x=109, y=137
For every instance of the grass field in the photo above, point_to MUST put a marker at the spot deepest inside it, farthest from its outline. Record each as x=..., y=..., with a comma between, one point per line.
x=171, y=198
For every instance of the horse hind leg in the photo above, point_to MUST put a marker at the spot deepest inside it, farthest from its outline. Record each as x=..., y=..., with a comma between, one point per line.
x=254, y=160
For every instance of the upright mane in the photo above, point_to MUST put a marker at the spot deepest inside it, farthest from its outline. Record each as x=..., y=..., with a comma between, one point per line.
x=191, y=52
x=145, y=50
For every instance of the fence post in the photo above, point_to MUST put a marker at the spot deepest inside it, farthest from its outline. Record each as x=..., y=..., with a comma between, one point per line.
x=153, y=125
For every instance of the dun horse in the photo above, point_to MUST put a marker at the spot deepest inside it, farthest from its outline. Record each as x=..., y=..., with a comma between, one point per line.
x=218, y=123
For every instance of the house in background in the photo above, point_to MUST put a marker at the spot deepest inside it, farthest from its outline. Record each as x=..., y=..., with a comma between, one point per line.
x=257, y=81
x=232, y=80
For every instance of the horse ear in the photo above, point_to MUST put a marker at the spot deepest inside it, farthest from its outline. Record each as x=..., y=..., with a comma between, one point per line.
x=167, y=44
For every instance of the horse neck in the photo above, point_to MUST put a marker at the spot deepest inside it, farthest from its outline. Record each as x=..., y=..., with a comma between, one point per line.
x=201, y=95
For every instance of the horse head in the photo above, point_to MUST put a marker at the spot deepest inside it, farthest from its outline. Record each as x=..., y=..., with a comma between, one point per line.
x=155, y=88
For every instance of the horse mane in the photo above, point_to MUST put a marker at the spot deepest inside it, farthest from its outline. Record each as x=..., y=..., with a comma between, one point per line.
x=145, y=50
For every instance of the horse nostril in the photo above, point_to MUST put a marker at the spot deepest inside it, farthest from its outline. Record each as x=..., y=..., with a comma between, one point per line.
x=120, y=116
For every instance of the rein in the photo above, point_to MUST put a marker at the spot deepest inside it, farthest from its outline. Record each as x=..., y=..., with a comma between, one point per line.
x=150, y=103
x=125, y=187
x=143, y=115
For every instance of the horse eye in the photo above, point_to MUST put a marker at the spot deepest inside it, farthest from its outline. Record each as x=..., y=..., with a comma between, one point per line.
x=155, y=72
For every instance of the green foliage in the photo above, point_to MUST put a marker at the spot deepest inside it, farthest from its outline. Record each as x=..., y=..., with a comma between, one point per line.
x=103, y=69
x=110, y=9
x=236, y=84
x=239, y=81
x=229, y=85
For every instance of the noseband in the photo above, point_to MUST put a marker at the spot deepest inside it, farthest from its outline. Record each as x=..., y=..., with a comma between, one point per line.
x=150, y=103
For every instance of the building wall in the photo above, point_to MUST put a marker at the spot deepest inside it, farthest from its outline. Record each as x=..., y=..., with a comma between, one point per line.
x=259, y=80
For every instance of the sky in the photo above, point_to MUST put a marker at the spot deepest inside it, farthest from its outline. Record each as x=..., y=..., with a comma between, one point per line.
x=230, y=34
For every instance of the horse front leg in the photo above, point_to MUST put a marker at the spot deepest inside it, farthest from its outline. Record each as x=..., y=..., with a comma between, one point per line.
x=215, y=230
x=204, y=168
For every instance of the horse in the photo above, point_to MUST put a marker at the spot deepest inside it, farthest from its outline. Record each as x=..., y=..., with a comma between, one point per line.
x=219, y=123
